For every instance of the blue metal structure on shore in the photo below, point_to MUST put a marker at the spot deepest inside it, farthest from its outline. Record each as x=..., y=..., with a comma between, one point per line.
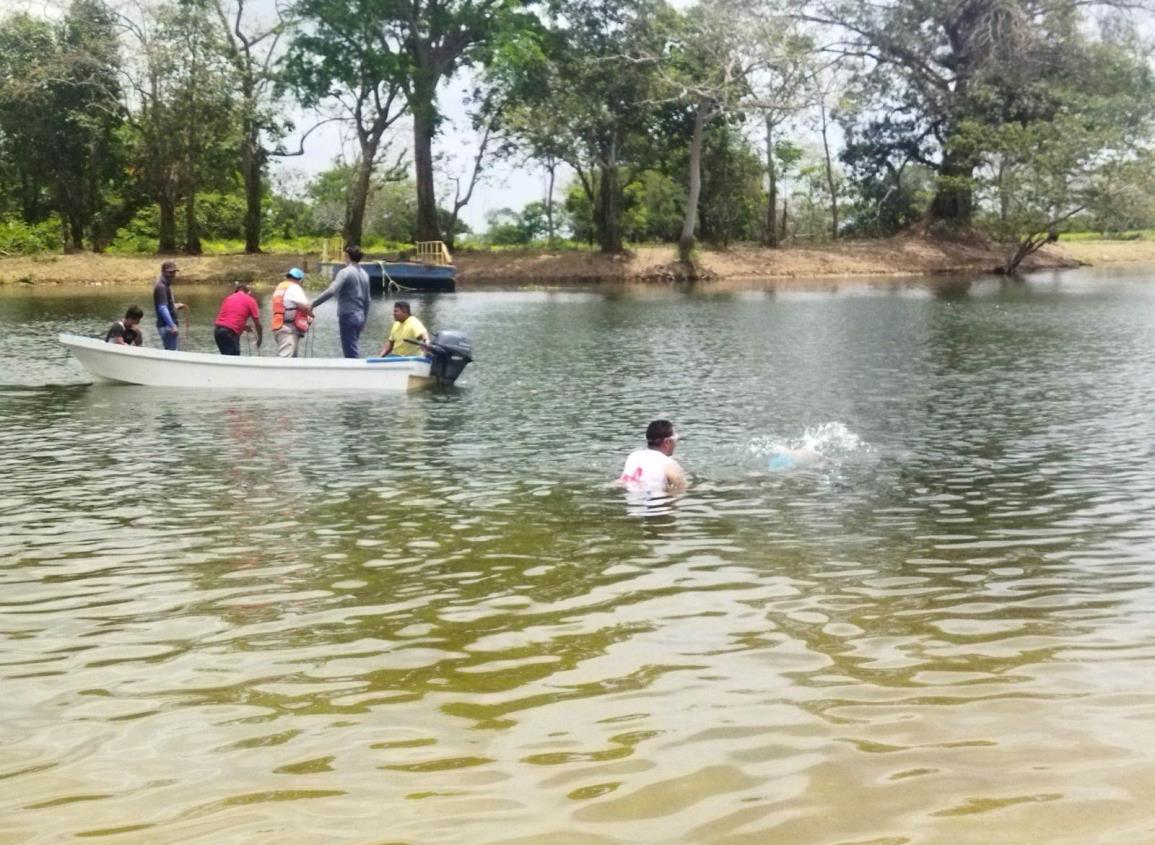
x=431, y=272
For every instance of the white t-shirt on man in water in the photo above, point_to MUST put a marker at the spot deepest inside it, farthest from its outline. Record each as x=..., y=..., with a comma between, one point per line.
x=651, y=471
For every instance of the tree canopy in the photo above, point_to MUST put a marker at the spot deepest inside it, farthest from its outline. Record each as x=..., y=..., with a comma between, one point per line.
x=719, y=121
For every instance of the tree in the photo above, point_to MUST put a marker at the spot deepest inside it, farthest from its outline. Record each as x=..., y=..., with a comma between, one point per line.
x=708, y=70
x=1042, y=173
x=406, y=46
x=506, y=227
x=252, y=52
x=779, y=89
x=86, y=103
x=653, y=208
x=732, y=192
x=204, y=110
x=953, y=64
x=182, y=129
x=154, y=149
x=487, y=122
x=441, y=36
x=826, y=87
x=349, y=56
x=591, y=81
x=525, y=121
x=27, y=64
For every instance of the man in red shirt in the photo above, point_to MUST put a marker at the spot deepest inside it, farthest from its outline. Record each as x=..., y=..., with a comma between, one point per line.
x=238, y=308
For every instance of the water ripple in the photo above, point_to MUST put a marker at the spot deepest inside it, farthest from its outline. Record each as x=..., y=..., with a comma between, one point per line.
x=268, y=619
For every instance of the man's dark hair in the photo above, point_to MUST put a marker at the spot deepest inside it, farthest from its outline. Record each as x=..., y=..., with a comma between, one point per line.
x=658, y=431
x=403, y=305
x=354, y=252
x=133, y=313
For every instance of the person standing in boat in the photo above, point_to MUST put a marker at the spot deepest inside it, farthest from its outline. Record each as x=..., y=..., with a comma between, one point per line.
x=351, y=287
x=238, y=308
x=653, y=469
x=291, y=314
x=405, y=330
x=166, y=307
x=126, y=332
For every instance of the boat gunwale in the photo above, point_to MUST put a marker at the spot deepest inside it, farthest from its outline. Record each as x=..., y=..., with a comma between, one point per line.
x=91, y=344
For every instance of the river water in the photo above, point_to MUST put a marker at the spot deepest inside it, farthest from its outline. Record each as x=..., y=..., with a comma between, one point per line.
x=428, y=618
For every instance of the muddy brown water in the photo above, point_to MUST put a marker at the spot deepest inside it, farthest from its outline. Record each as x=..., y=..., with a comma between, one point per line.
x=427, y=619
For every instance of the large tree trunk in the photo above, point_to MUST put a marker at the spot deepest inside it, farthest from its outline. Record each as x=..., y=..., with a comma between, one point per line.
x=552, y=170
x=830, y=177
x=610, y=227
x=167, y=233
x=689, y=220
x=252, y=171
x=192, y=231
x=29, y=198
x=771, y=236
x=954, y=195
x=359, y=197
x=74, y=231
x=69, y=200
x=423, y=128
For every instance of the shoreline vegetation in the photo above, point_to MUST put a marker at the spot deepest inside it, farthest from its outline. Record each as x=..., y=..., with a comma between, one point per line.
x=798, y=265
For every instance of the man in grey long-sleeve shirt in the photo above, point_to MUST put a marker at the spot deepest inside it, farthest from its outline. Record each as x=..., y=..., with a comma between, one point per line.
x=351, y=287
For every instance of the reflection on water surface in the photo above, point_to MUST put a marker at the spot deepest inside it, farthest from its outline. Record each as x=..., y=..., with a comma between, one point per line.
x=428, y=619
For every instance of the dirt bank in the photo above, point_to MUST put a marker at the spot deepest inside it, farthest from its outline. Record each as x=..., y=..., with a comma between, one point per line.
x=795, y=265
x=91, y=269
x=901, y=256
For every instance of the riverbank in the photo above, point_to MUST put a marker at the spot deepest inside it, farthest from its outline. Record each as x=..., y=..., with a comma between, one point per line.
x=795, y=265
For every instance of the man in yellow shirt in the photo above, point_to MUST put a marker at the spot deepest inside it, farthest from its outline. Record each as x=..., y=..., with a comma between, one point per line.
x=406, y=329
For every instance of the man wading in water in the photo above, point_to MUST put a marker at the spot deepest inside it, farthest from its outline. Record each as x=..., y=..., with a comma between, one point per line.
x=653, y=469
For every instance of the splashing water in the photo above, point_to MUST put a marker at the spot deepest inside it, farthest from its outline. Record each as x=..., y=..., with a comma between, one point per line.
x=819, y=444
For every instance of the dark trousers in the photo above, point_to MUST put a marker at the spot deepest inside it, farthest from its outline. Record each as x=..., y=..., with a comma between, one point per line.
x=351, y=326
x=228, y=341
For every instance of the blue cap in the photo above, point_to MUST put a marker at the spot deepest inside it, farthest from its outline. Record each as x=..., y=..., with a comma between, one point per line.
x=296, y=273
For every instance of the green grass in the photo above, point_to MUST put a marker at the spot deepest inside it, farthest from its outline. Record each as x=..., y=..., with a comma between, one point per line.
x=479, y=246
x=1136, y=235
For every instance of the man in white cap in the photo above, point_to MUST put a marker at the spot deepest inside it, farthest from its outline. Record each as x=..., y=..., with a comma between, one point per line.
x=291, y=314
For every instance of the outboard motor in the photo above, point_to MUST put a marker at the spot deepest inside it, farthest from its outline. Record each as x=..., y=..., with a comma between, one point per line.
x=451, y=351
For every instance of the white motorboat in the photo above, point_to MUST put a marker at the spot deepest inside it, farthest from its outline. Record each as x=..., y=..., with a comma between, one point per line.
x=111, y=362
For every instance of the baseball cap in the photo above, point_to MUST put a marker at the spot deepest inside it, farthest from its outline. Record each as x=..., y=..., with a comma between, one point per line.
x=295, y=273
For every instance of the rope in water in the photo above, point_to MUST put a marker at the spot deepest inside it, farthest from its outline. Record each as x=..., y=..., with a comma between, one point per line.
x=390, y=285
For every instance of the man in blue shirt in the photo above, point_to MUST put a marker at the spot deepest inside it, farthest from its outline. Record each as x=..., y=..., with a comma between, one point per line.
x=166, y=307
x=351, y=287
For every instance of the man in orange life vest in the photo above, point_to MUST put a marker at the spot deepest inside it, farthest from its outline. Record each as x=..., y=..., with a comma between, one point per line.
x=291, y=314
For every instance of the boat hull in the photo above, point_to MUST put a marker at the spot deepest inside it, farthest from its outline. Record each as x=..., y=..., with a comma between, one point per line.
x=108, y=362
